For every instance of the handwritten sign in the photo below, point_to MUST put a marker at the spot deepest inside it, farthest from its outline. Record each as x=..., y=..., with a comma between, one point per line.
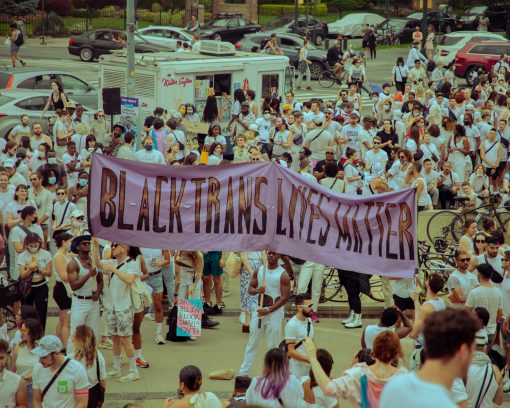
x=183, y=81
x=189, y=317
x=196, y=127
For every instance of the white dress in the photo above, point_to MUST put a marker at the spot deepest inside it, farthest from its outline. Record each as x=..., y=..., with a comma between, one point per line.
x=458, y=159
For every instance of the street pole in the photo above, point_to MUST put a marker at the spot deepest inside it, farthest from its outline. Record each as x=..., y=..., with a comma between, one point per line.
x=296, y=13
x=43, y=23
x=424, y=28
x=130, y=36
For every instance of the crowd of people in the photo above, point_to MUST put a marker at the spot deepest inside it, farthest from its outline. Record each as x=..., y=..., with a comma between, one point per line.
x=419, y=131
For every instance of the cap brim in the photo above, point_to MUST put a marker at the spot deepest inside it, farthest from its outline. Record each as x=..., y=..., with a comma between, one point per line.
x=40, y=352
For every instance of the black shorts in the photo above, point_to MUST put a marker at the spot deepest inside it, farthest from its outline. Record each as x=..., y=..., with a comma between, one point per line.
x=60, y=296
x=403, y=303
x=364, y=44
x=496, y=174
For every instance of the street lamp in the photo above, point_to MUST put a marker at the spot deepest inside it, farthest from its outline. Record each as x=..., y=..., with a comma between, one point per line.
x=43, y=22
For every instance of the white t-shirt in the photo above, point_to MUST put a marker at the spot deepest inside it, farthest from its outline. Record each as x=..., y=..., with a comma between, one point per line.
x=321, y=399
x=364, y=136
x=152, y=157
x=291, y=395
x=466, y=281
x=42, y=256
x=296, y=330
x=61, y=392
x=18, y=235
x=319, y=140
x=371, y=157
x=19, y=131
x=92, y=370
x=490, y=299
x=264, y=129
x=126, y=153
x=351, y=134
x=407, y=390
x=120, y=292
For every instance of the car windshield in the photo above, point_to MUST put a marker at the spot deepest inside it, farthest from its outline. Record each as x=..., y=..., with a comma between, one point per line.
x=222, y=22
x=396, y=24
x=451, y=40
x=476, y=10
x=5, y=99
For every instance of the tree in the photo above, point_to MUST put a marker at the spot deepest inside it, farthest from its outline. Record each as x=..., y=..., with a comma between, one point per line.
x=60, y=7
x=97, y=4
x=19, y=7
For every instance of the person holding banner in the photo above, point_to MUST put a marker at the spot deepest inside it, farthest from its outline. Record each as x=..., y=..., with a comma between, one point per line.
x=148, y=154
x=272, y=284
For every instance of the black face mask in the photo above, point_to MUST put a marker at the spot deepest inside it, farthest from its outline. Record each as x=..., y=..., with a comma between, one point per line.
x=25, y=143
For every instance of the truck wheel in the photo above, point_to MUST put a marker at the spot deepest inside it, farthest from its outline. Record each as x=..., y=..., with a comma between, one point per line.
x=86, y=54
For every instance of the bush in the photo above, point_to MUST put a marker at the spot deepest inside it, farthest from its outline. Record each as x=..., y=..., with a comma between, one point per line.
x=346, y=5
x=82, y=13
x=108, y=11
x=278, y=9
x=156, y=7
x=54, y=25
x=78, y=28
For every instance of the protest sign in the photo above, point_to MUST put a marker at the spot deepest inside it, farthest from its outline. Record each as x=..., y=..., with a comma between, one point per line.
x=189, y=317
x=196, y=127
x=129, y=114
x=251, y=207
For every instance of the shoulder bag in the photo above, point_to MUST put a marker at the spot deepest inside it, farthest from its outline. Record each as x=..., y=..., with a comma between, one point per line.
x=233, y=264
x=96, y=393
x=54, y=378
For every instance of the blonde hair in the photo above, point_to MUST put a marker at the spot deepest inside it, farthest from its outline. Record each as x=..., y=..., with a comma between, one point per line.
x=84, y=344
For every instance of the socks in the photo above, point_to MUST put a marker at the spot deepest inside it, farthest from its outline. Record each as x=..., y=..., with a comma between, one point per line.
x=159, y=328
x=138, y=353
x=116, y=362
x=132, y=364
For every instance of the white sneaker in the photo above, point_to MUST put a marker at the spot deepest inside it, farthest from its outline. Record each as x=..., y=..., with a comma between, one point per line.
x=113, y=372
x=356, y=322
x=193, y=338
x=349, y=318
x=150, y=316
x=159, y=339
x=131, y=376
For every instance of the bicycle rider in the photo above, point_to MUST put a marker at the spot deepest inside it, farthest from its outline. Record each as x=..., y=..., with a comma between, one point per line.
x=357, y=74
x=335, y=58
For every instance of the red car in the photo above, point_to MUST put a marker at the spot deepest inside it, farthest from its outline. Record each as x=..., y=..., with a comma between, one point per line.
x=476, y=55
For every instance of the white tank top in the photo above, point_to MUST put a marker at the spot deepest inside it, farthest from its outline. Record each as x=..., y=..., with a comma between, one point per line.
x=371, y=332
x=438, y=305
x=272, y=282
x=25, y=362
x=88, y=288
x=422, y=199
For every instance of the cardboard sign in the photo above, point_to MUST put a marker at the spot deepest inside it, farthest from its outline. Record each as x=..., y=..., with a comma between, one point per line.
x=196, y=127
x=189, y=317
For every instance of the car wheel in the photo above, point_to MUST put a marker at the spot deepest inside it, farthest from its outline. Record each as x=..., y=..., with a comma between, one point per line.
x=86, y=54
x=471, y=74
x=217, y=37
x=318, y=40
x=315, y=69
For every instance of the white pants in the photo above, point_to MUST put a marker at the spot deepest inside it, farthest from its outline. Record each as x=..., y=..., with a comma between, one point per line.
x=299, y=368
x=315, y=272
x=85, y=312
x=271, y=328
x=387, y=290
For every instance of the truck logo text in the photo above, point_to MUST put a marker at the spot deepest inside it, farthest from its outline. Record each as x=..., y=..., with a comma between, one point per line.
x=179, y=82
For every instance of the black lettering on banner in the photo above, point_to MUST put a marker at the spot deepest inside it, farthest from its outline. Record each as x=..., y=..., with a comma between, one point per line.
x=323, y=235
x=263, y=209
x=279, y=214
x=244, y=204
x=157, y=205
x=108, y=192
x=122, y=202
x=390, y=233
x=229, y=211
x=343, y=233
x=380, y=224
x=212, y=201
x=143, y=213
x=304, y=207
x=175, y=205
x=369, y=205
x=358, y=242
x=198, y=201
x=405, y=223
x=313, y=216
x=292, y=209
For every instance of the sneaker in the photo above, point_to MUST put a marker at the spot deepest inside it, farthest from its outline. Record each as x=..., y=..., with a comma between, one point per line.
x=349, y=319
x=216, y=310
x=150, y=316
x=159, y=339
x=106, y=344
x=113, y=372
x=192, y=338
x=208, y=323
x=315, y=317
x=140, y=362
x=356, y=323
x=131, y=376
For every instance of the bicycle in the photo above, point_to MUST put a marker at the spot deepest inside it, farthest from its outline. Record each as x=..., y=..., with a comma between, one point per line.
x=9, y=294
x=388, y=37
x=453, y=220
x=328, y=78
x=333, y=290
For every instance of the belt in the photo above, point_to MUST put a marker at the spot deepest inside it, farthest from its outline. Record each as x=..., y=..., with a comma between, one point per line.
x=154, y=273
x=82, y=297
x=38, y=283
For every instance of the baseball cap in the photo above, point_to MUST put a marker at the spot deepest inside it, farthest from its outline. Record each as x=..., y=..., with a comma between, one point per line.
x=481, y=337
x=286, y=106
x=245, y=103
x=354, y=114
x=317, y=120
x=10, y=163
x=470, y=106
x=47, y=345
x=328, y=110
x=280, y=121
x=77, y=213
x=71, y=105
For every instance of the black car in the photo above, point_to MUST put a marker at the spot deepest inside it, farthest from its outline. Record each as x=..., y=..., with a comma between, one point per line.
x=290, y=45
x=307, y=26
x=399, y=26
x=497, y=17
x=228, y=27
x=92, y=45
x=440, y=20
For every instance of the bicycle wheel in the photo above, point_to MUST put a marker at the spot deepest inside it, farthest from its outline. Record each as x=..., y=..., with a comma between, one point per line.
x=326, y=79
x=439, y=225
x=332, y=290
x=504, y=217
x=10, y=319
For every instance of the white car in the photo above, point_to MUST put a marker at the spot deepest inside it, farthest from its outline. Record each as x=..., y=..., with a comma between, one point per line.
x=454, y=42
x=352, y=25
x=30, y=102
x=165, y=35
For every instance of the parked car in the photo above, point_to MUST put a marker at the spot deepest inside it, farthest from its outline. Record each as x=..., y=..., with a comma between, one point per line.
x=307, y=26
x=352, y=25
x=17, y=102
x=92, y=45
x=442, y=21
x=497, y=14
x=399, y=25
x=290, y=45
x=30, y=78
x=228, y=27
x=452, y=43
x=165, y=35
x=479, y=55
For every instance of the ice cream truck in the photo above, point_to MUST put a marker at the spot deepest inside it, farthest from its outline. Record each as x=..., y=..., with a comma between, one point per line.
x=168, y=80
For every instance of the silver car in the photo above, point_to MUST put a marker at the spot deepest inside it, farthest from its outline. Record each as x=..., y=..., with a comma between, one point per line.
x=74, y=87
x=15, y=103
x=165, y=35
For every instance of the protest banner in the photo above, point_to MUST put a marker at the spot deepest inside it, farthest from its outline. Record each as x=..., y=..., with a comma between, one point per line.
x=189, y=317
x=251, y=207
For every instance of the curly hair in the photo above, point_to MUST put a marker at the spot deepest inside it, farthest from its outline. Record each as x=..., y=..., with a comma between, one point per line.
x=387, y=347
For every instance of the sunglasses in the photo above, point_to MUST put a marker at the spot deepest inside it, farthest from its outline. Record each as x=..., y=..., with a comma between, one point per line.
x=330, y=152
x=80, y=218
x=377, y=143
x=100, y=116
x=480, y=241
x=464, y=260
x=402, y=157
x=61, y=193
x=114, y=245
x=255, y=160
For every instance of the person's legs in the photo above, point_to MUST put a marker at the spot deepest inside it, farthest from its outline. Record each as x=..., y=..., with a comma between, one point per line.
x=273, y=325
x=41, y=303
x=207, y=278
x=353, y=291
x=387, y=291
x=444, y=195
x=308, y=77
x=317, y=279
x=168, y=273
x=256, y=334
x=299, y=78
x=218, y=289
x=304, y=277
x=63, y=321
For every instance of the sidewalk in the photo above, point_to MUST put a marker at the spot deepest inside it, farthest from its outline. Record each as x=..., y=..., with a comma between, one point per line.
x=49, y=42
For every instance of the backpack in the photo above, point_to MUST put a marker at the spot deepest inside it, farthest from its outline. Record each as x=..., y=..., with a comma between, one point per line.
x=20, y=40
x=171, y=321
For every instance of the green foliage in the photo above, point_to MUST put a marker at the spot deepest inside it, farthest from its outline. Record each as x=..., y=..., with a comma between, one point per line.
x=62, y=7
x=156, y=7
x=19, y=7
x=345, y=5
x=108, y=11
x=278, y=9
x=54, y=25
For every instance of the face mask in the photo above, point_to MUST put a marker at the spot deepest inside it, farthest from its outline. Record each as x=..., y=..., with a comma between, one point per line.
x=77, y=224
x=386, y=107
x=83, y=182
x=52, y=160
x=182, y=111
x=32, y=250
x=42, y=155
x=148, y=147
x=100, y=120
x=416, y=113
x=190, y=112
x=52, y=180
x=375, y=99
x=267, y=116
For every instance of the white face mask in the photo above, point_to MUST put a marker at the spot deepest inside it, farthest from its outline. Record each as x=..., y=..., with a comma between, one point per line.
x=375, y=99
x=77, y=224
x=267, y=116
x=386, y=107
x=52, y=160
x=32, y=250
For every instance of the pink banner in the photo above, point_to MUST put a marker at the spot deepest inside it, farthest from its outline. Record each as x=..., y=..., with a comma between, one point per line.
x=251, y=207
